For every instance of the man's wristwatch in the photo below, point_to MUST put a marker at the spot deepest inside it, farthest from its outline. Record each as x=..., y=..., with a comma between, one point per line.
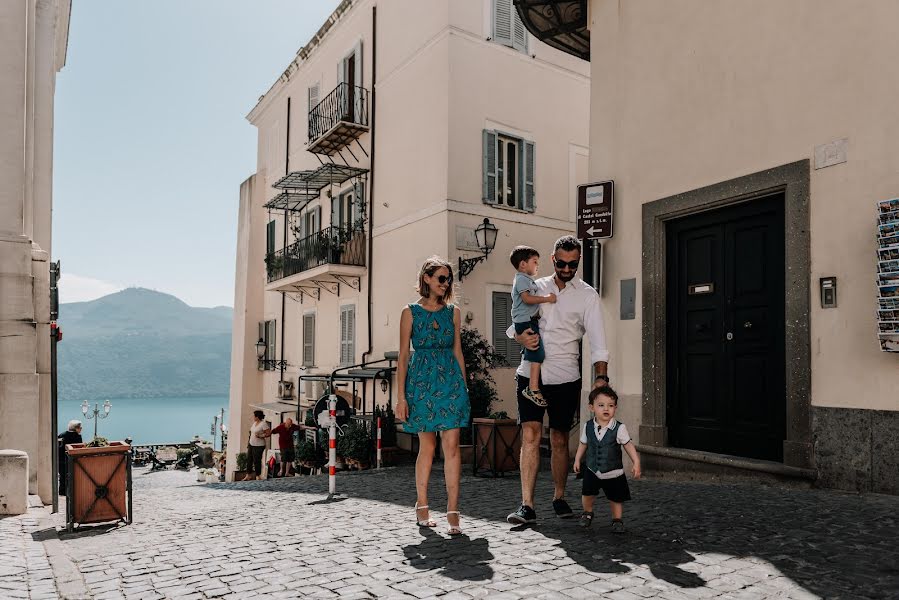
x=603, y=377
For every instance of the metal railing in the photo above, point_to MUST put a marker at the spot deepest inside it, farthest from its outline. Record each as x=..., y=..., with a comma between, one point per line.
x=332, y=245
x=347, y=103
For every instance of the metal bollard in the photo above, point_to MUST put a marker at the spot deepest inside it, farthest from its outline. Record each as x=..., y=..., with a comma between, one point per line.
x=332, y=445
x=378, y=462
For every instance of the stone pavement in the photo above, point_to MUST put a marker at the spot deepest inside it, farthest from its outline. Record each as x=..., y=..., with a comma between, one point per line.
x=24, y=567
x=277, y=539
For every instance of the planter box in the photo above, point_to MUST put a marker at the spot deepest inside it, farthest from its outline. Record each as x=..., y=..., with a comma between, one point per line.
x=99, y=484
x=497, y=446
x=466, y=452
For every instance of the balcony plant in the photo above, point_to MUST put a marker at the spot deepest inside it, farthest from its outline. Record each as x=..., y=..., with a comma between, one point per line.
x=273, y=264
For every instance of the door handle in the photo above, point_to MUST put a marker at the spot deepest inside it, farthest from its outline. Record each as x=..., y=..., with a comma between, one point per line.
x=747, y=325
x=730, y=336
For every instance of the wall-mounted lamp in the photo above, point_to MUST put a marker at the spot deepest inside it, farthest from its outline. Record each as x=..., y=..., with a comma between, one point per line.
x=384, y=385
x=485, y=234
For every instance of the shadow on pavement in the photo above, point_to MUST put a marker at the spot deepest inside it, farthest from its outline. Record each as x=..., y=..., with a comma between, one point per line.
x=460, y=558
x=830, y=543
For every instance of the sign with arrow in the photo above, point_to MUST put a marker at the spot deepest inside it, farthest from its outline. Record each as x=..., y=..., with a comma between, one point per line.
x=594, y=210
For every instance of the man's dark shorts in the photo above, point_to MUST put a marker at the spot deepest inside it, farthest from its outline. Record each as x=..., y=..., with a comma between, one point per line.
x=538, y=355
x=562, y=401
x=615, y=489
x=288, y=455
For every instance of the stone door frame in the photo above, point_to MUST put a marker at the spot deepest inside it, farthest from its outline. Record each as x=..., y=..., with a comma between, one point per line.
x=793, y=181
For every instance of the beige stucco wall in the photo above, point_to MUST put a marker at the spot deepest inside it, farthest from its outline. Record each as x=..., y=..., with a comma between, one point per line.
x=33, y=41
x=690, y=93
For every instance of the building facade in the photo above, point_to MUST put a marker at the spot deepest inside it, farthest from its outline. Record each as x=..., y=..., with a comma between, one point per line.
x=33, y=42
x=749, y=144
x=383, y=144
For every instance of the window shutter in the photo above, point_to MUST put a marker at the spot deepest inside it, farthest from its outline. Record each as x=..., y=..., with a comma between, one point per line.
x=489, y=158
x=314, y=93
x=502, y=319
x=317, y=224
x=527, y=177
x=271, y=328
x=261, y=337
x=301, y=232
x=308, y=340
x=270, y=238
x=359, y=203
x=502, y=21
x=358, y=68
x=343, y=336
x=351, y=335
x=519, y=33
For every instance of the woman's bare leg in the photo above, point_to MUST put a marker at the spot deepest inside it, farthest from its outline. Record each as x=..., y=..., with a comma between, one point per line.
x=427, y=444
x=452, y=470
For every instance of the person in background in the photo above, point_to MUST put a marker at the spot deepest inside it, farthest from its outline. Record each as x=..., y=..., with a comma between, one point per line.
x=72, y=435
x=285, y=443
x=259, y=430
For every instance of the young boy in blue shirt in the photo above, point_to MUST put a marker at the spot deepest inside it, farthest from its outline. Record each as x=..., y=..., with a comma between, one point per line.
x=526, y=313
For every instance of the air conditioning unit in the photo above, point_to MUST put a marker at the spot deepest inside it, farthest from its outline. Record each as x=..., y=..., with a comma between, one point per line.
x=285, y=389
x=314, y=390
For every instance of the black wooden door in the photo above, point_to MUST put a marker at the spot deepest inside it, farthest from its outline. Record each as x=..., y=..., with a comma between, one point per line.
x=725, y=309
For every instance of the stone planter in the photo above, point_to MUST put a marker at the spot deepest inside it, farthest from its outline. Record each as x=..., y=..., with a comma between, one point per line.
x=497, y=444
x=99, y=484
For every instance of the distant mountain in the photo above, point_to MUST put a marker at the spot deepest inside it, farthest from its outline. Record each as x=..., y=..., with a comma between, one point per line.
x=139, y=343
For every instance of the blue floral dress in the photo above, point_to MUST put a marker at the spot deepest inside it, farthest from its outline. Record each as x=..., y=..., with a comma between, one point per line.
x=435, y=388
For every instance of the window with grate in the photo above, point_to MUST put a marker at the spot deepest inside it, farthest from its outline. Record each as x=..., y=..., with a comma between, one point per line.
x=508, y=179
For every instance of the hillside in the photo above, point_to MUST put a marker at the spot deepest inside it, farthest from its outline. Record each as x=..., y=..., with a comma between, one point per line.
x=139, y=343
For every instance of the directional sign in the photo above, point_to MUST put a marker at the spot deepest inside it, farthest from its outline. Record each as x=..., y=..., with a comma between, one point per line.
x=594, y=210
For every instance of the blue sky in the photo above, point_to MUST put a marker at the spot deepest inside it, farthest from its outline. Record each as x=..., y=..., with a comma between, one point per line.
x=152, y=143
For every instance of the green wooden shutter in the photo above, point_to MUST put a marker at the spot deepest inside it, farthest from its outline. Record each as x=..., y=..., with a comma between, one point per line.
x=490, y=166
x=502, y=21
x=502, y=319
x=309, y=340
x=270, y=237
x=527, y=176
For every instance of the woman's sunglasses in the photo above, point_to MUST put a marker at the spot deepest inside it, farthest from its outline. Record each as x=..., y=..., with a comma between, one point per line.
x=441, y=279
x=571, y=264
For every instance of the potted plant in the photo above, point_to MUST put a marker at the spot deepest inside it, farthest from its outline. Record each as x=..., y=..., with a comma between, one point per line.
x=242, y=465
x=306, y=454
x=99, y=482
x=355, y=445
x=273, y=264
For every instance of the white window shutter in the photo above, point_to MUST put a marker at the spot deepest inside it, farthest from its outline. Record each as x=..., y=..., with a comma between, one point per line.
x=318, y=219
x=314, y=93
x=308, y=340
x=351, y=335
x=527, y=177
x=519, y=33
x=343, y=335
x=489, y=159
x=502, y=21
x=358, y=75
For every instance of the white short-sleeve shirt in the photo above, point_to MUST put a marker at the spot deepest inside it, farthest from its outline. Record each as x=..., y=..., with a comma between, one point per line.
x=258, y=428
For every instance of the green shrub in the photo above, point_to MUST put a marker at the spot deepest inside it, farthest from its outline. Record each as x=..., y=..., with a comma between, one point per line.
x=242, y=461
x=98, y=442
x=182, y=452
x=355, y=443
x=307, y=452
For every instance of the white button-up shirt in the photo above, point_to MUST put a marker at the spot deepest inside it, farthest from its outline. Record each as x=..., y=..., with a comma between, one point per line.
x=562, y=325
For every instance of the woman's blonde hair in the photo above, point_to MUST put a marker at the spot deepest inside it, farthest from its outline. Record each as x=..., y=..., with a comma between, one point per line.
x=431, y=266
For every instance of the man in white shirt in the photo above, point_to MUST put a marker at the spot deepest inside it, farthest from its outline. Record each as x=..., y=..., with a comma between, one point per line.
x=562, y=327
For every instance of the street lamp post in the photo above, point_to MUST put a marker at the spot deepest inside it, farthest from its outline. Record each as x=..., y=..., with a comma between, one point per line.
x=485, y=234
x=96, y=416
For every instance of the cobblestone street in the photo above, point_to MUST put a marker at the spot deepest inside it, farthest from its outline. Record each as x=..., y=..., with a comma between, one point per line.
x=277, y=539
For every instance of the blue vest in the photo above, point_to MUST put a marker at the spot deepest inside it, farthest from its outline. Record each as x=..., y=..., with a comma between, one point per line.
x=603, y=455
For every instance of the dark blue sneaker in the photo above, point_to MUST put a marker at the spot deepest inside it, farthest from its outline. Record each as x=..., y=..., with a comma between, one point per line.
x=525, y=515
x=563, y=511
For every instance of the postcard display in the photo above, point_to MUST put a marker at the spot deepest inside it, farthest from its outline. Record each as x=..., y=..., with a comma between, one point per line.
x=888, y=274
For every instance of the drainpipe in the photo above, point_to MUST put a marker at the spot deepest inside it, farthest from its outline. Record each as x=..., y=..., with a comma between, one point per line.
x=371, y=178
x=284, y=244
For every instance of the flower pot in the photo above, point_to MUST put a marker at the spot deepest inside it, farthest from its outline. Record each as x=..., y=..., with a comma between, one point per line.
x=99, y=483
x=238, y=475
x=201, y=476
x=497, y=445
x=211, y=477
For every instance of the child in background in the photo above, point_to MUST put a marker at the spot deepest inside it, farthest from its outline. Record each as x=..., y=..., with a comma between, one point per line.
x=525, y=313
x=602, y=439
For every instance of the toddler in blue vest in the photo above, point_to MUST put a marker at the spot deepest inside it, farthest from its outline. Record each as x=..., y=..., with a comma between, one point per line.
x=525, y=314
x=602, y=439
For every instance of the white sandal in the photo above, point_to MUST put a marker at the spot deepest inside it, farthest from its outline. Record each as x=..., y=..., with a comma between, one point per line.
x=426, y=523
x=454, y=529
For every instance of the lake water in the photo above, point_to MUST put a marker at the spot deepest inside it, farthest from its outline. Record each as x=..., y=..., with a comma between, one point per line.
x=149, y=420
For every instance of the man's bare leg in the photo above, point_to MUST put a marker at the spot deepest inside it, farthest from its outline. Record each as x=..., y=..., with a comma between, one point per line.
x=530, y=460
x=559, y=443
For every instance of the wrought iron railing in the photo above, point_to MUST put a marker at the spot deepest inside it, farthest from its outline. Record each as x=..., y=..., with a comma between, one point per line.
x=347, y=103
x=332, y=245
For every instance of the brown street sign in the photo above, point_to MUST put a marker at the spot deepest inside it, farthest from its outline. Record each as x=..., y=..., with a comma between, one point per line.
x=594, y=210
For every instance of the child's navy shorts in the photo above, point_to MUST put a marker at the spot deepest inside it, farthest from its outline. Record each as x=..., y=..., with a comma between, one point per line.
x=615, y=489
x=534, y=356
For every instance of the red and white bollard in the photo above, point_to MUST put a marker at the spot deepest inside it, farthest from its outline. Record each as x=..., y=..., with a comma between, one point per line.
x=332, y=445
x=378, y=463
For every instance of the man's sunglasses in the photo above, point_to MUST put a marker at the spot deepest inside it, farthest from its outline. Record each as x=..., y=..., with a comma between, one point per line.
x=444, y=278
x=571, y=264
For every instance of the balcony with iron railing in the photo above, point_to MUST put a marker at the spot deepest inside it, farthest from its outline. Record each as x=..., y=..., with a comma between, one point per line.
x=340, y=118
x=333, y=250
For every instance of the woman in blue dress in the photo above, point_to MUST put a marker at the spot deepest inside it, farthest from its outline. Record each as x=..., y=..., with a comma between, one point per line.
x=432, y=395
